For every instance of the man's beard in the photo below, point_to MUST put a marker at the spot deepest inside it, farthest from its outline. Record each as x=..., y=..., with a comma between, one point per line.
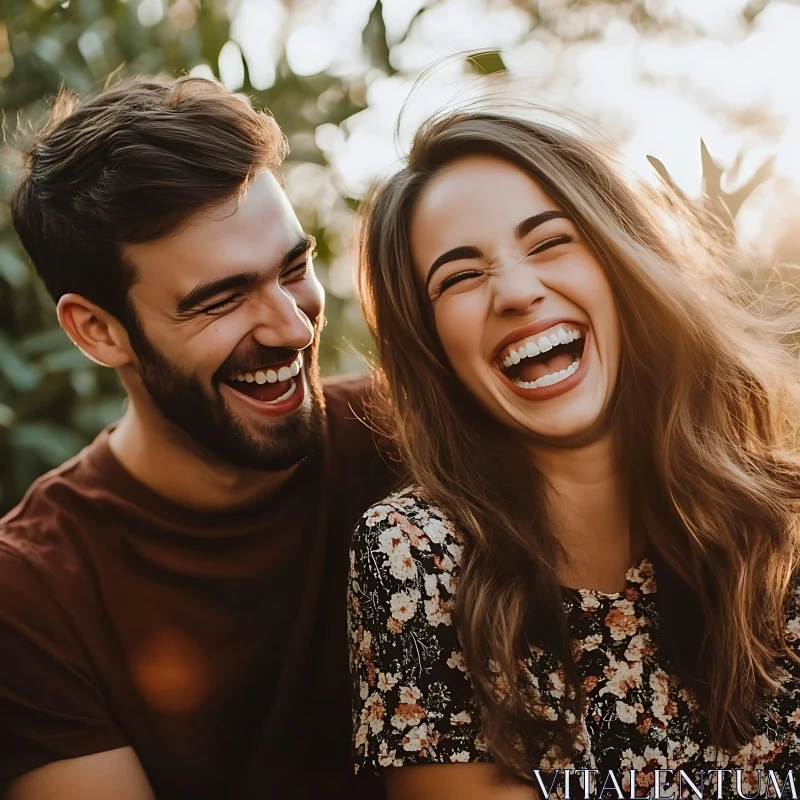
x=209, y=422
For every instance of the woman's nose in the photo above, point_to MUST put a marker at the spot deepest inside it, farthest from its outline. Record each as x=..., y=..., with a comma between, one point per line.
x=516, y=290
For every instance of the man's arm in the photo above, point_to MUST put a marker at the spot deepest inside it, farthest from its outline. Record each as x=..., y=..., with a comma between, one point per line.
x=100, y=776
x=57, y=735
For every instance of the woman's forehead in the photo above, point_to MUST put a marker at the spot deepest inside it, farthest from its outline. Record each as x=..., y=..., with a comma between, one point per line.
x=471, y=198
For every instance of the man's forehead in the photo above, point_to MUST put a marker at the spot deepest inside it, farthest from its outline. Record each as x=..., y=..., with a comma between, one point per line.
x=249, y=232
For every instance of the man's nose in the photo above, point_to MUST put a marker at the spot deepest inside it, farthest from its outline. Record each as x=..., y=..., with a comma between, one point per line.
x=282, y=323
x=516, y=289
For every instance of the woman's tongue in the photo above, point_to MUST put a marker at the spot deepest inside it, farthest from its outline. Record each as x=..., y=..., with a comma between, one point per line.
x=531, y=370
x=263, y=392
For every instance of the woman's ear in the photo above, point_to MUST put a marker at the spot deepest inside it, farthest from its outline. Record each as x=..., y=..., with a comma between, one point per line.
x=95, y=332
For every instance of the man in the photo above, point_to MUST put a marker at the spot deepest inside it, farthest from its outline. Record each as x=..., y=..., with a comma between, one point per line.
x=172, y=599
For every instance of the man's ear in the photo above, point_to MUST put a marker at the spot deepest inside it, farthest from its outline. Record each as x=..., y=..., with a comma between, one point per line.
x=95, y=332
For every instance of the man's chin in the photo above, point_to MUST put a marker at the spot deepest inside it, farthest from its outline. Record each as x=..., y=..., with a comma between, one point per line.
x=277, y=446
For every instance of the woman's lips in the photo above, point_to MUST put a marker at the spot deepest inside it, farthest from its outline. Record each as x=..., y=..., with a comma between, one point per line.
x=555, y=389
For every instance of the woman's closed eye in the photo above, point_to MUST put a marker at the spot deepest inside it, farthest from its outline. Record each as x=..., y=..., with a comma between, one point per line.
x=451, y=280
x=541, y=247
x=553, y=241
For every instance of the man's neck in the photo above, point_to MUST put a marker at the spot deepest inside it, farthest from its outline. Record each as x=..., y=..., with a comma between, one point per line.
x=156, y=457
x=591, y=504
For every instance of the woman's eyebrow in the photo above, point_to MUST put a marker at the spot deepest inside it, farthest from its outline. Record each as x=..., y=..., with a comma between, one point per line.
x=527, y=225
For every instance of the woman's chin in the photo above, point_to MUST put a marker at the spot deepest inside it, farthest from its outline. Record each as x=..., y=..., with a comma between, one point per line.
x=568, y=427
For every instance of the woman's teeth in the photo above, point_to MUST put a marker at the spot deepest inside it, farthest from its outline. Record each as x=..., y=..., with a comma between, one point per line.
x=271, y=375
x=541, y=344
x=550, y=378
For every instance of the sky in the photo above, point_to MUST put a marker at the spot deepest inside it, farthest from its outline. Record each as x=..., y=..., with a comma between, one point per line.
x=647, y=95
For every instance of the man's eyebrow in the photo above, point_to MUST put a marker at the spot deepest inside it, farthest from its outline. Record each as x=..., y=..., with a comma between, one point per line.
x=520, y=230
x=241, y=280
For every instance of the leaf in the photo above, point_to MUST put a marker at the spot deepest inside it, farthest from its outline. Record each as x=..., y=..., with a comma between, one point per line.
x=22, y=376
x=12, y=268
x=663, y=173
x=46, y=341
x=374, y=40
x=54, y=444
x=712, y=173
x=64, y=361
x=486, y=63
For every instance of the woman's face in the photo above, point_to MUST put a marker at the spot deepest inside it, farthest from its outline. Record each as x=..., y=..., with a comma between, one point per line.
x=523, y=309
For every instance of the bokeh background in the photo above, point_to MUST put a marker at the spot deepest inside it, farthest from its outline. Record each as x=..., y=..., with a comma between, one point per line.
x=655, y=76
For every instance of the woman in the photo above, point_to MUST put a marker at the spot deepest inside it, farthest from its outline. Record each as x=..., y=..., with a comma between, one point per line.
x=594, y=565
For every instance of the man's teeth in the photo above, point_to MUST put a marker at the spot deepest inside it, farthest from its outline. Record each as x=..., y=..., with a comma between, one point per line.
x=286, y=395
x=271, y=375
x=541, y=344
x=551, y=378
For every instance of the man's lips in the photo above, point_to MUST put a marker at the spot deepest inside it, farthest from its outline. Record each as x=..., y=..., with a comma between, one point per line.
x=292, y=391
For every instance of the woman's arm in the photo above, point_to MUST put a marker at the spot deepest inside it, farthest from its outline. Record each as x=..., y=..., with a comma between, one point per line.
x=454, y=782
x=416, y=719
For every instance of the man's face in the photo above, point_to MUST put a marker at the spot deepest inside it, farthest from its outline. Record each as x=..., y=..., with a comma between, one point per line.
x=229, y=312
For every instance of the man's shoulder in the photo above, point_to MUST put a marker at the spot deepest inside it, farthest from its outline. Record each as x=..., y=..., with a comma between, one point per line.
x=347, y=404
x=37, y=528
x=347, y=395
x=364, y=459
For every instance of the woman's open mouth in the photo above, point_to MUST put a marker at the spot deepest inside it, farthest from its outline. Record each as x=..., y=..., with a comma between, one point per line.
x=547, y=363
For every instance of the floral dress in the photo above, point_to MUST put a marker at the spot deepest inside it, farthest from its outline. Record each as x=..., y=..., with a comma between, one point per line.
x=413, y=702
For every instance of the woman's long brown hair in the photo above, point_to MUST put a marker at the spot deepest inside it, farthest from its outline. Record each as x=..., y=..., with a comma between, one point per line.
x=705, y=423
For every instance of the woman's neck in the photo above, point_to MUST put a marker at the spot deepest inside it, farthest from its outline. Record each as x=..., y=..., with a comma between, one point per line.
x=590, y=503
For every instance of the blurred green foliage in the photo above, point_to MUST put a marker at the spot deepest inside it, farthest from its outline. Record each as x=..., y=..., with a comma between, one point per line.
x=52, y=399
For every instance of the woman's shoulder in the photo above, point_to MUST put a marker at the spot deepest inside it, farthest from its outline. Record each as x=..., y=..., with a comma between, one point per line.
x=406, y=521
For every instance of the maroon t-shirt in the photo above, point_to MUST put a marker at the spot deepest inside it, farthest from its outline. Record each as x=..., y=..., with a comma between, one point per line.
x=126, y=619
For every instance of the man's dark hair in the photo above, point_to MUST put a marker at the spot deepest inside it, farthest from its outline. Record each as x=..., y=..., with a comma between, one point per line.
x=132, y=164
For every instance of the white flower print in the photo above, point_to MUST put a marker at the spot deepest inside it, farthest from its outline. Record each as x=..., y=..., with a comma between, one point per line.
x=591, y=642
x=462, y=718
x=625, y=712
x=638, y=648
x=621, y=677
x=404, y=604
x=437, y=611
x=376, y=515
x=436, y=530
x=462, y=756
x=373, y=712
x=408, y=711
x=589, y=601
x=417, y=738
x=431, y=586
x=388, y=758
x=386, y=681
x=409, y=694
x=456, y=661
x=398, y=549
